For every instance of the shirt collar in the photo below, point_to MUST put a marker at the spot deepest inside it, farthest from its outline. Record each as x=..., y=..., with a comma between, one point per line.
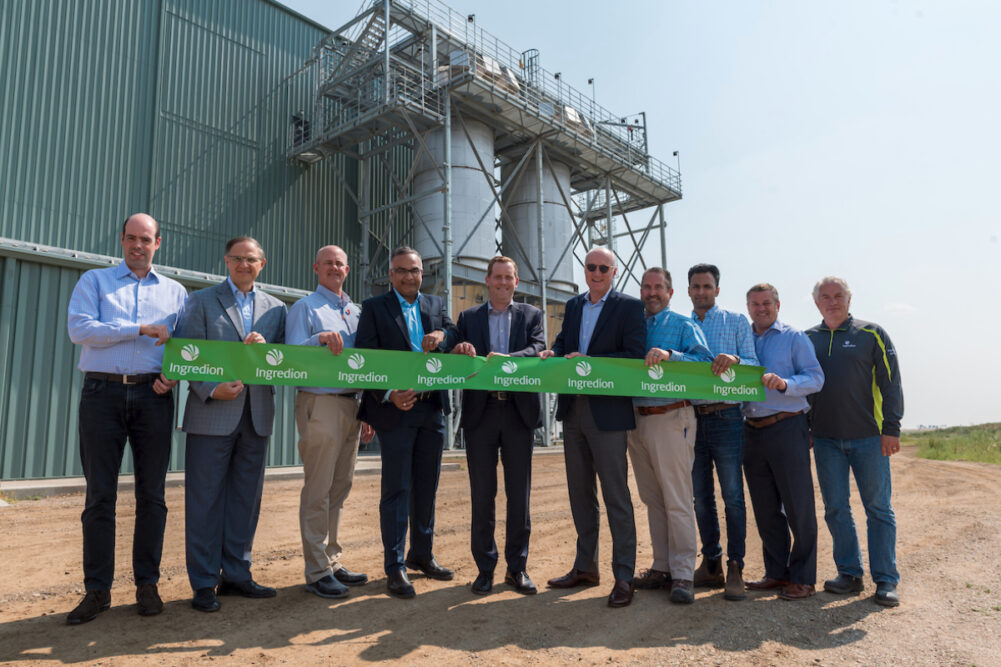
x=404, y=304
x=709, y=313
x=776, y=326
x=123, y=270
x=587, y=299
x=337, y=301
x=841, y=327
x=236, y=290
x=490, y=308
x=660, y=317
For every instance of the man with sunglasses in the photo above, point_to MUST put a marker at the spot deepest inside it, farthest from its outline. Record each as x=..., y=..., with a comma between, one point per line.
x=409, y=424
x=599, y=323
x=228, y=425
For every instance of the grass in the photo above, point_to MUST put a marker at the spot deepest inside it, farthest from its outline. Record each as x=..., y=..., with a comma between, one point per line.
x=981, y=443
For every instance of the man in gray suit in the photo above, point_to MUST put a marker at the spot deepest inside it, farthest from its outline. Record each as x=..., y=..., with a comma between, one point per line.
x=228, y=425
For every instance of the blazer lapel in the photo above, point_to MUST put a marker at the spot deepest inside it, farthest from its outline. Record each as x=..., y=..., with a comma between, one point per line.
x=228, y=302
x=514, y=342
x=611, y=301
x=260, y=306
x=396, y=313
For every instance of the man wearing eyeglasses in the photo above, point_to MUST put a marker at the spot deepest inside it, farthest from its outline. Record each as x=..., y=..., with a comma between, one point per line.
x=409, y=424
x=599, y=323
x=227, y=426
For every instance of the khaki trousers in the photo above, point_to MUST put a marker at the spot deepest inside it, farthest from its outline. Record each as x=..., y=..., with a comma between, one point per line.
x=328, y=446
x=662, y=449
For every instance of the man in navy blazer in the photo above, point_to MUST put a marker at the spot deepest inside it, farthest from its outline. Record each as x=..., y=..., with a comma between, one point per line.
x=409, y=424
x=503, y=421
x=227, y=426
x=600, y=323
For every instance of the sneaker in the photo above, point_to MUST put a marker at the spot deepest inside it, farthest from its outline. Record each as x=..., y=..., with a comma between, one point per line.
x=709, y=574
x=328, y=587
x=886, y=594
x=148, y=599
x=93, y=603
x=682, y=591
x=734, y=589
x=844, y=584
x=652, y=579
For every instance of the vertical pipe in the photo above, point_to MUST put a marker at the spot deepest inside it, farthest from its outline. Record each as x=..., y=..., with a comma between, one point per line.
x=434, y=56
x=385, y=13
x=540, y=218
x=368, y=279
x=663, y=237
x=608, y=213
x=447, y=238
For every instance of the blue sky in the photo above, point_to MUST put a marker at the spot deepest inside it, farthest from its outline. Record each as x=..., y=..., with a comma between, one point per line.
x=859, y=138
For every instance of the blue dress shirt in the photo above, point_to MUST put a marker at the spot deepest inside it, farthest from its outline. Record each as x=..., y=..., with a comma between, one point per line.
x=679, y=334
x=788, y=353
x=245, y=302
x=105, y=311
x=499, y=325
x=588, y=318
x=727, y=332
x=412, y=316
x=322, y=311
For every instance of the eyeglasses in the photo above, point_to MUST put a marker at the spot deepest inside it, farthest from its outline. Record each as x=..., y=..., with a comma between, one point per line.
x=408, y=272
x=236, y=259
x=598, y=267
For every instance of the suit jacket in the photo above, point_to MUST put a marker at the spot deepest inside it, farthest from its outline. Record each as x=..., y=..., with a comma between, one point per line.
x=526, y=340
x=212, y=314
x=382, y=327
x=619, y=332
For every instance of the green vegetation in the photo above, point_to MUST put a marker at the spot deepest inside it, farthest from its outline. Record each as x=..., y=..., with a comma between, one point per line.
x=981, y=443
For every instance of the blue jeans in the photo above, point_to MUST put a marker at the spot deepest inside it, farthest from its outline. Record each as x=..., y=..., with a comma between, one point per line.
x=719, y=441
x=864, y=457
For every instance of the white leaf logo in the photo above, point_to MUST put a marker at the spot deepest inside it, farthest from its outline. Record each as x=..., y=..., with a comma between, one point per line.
x=728, y=376
x=655, y=372
x=274, y=357
x=189, y=352
x=509, y=367
x=356, y=361
x=433, y=366
x=583, y=369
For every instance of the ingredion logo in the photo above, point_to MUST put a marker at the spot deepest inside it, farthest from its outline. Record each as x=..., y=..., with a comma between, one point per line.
x=728, y=376
x=509, y=367
x=274, y=357
x=583, y=369
x=655, y=372
x=189, y=352
x=356, y=361
x=433, y=365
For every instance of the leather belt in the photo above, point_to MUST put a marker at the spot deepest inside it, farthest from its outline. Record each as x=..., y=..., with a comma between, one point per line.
x=713, y=408
x=350, y=395
x=425, y=395
x=138, y=378
x=498, y=395
x=661, y=409
x=762, y=422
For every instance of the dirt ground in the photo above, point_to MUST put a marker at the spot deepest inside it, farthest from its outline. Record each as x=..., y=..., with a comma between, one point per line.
x=949, y=554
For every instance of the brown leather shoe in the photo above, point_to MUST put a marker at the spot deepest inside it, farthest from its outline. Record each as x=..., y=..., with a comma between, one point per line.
x=575, y=578
x=797, y=592
x=621, y=595
x=652, y=579
x=766, y=584
x=734, y=589
x=709, y=574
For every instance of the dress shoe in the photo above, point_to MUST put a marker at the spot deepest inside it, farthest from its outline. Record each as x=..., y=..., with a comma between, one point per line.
x=575, y=578
x=431, y=569
x=327, y=587
x=886, y=594
x=522, y=584
x=621, y=595
x=398, y=585
x=797, y=592
x=205, y=600
x=844, y=584
x=93, y=603
x=734, y=589
x=349, y=578
x=247, y=589
x=484, y=583
x=709, y=574
x=652, y=580
x=682, y=591
x=148, y=599
x=766, y=584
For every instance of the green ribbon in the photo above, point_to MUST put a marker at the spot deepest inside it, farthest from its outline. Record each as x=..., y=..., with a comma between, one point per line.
x=314, y=366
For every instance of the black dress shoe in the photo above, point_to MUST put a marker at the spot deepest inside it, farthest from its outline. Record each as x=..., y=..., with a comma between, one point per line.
x=148, y=599
x=93, y=603
x=205, y=600
x=431, y=569
x=844, y=584
x=327, y=587
x=349, y=578
x=398, y=585
x=247, y=589
x=621, y=595
x=484, y=583
x=886, y=594
x=522, y=584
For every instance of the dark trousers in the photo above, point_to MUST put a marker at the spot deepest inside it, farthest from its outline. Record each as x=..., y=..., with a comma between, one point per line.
x=780, y=482
x=589, y=451
x=110, y=414
x=223, y=480
x=499, y=430
x=719, y=443
x=411, y=464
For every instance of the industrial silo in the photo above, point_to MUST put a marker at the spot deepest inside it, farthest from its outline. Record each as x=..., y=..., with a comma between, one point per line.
x=521, y=204
x=471, y=197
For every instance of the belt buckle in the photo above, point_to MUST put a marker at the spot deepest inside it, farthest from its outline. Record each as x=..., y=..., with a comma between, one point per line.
x=125, y=380
x=501, y=395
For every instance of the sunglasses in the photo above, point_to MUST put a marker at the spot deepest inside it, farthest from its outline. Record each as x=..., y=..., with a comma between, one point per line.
x=598, y=267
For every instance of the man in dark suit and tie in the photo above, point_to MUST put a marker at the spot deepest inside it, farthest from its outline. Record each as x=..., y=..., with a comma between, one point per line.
x=228, y=424
x=600, y=323
x=409, y=424
x=500, y=420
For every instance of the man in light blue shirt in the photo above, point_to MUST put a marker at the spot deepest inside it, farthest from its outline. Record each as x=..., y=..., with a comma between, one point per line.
x=719, y=442
x=777, y=450
x=121, y=316
x=328, y=426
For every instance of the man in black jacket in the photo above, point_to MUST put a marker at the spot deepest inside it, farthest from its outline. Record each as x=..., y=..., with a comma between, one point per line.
x=502, y=421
